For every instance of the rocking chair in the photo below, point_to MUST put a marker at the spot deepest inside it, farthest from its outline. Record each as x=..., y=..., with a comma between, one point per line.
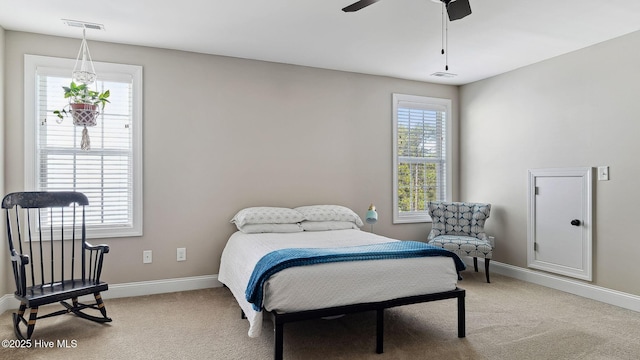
x=51, y=227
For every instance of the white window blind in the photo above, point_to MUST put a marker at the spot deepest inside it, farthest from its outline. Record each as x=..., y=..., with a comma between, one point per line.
x=421, y=159
x=109, y=173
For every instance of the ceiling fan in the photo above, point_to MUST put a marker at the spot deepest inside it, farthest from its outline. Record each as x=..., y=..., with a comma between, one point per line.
x=456, y=9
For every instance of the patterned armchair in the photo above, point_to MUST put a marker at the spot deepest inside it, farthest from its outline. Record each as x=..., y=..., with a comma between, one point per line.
x=459, y=227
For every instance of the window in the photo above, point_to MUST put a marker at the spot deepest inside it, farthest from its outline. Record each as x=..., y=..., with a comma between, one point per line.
x=421, y=152
x=110, y=173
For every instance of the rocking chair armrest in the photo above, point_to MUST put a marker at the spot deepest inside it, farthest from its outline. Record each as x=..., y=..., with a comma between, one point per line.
x=103, y=248
x=95, y=260
x=22, y=260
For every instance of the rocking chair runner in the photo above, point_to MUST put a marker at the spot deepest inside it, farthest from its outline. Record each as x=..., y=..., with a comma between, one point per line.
x=52, y=227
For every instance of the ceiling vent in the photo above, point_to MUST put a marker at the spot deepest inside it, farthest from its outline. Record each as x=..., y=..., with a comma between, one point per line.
x=444, y=74
x=83, y=24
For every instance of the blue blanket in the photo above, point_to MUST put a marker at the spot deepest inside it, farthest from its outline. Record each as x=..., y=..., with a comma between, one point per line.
x=282, y=259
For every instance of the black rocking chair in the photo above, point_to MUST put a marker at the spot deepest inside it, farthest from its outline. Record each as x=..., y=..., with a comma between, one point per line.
x=52, y=227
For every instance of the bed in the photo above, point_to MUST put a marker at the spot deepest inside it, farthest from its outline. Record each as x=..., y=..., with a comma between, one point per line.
x=329, y=289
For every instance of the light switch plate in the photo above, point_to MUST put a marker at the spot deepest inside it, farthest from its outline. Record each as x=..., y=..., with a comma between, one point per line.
x=181, y=254
x=603, y=173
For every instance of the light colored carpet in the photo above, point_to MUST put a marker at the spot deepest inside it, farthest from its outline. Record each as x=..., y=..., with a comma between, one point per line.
x=507, y=319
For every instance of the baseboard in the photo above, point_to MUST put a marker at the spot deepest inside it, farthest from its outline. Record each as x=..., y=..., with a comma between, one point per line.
x=161, y=286
x=577, y=287
x=9, y=302
x=572, y=286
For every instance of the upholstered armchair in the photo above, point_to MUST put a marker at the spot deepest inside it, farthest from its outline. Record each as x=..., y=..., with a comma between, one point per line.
x=459, y=227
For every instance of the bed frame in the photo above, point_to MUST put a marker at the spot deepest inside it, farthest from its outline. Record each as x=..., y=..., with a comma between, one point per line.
x=279, y=319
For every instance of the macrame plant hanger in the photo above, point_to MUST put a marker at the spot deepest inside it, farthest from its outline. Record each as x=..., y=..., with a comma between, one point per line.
x=84, y=73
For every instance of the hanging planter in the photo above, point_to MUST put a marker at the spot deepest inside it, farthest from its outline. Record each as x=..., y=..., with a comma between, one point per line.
x=84, y=114
x=83, y=107
x=83, y=102
x=81, y=99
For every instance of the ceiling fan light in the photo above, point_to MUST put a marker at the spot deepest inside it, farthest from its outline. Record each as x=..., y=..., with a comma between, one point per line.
x=457, y=9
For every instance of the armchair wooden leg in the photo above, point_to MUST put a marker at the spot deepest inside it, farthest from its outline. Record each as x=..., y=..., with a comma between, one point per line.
x=486, y=269
x=475, y=263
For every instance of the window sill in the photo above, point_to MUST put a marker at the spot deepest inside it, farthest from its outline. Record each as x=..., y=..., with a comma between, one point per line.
x=410, y=219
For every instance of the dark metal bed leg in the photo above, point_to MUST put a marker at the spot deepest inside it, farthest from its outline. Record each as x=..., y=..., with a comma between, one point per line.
x=242, y=315
x=475, y=263
x=461, y=316
x=380, y=331
x=278, y=328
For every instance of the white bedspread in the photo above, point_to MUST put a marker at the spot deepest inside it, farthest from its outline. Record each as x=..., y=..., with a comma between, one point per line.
x=327, y=285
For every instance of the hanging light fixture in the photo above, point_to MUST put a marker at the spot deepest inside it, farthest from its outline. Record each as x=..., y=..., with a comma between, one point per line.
x=445, y=38
x=450, y=11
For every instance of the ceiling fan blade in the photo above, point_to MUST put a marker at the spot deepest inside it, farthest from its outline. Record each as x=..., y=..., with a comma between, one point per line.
x=458, y=9
x=359, y=5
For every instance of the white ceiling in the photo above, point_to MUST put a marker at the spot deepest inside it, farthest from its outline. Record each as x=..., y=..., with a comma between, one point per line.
x=398, y=38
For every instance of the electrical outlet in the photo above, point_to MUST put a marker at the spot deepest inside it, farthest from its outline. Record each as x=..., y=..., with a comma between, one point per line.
x=181, y=254
x=147, y=257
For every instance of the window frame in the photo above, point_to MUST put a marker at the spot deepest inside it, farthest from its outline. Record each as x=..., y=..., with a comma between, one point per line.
x=431, y=103
x=31, y=157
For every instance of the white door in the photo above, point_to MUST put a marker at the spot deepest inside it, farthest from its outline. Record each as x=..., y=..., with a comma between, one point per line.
x=559, y=236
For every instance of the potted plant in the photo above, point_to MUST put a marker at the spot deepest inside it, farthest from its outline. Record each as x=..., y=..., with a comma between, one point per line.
x=83, y=104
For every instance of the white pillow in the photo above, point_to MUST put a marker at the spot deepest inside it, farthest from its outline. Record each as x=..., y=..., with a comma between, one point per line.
x=266, y=215
x=327, y=225
x=329, y=213
x=270, y=228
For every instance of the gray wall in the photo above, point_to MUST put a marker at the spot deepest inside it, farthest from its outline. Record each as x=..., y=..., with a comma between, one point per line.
x=580, y=109
x=5, y=286
x=223, y=133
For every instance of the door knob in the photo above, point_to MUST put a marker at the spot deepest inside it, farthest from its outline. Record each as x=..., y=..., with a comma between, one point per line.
x=575, y=222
